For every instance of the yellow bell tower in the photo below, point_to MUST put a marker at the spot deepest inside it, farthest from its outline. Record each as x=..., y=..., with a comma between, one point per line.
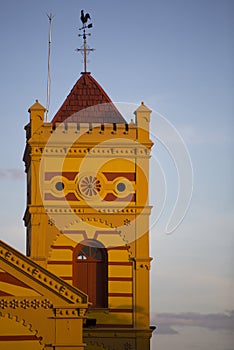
x=87, y=214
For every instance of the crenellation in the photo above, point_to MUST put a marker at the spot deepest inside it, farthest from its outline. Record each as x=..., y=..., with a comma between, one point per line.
x=98, y=128
x=50, y=135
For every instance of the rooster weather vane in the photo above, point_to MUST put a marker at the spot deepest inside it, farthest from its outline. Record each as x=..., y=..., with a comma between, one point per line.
x=85, y=50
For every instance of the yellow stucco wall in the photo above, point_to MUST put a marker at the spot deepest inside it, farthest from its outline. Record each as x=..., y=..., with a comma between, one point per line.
x=14, y=335
x=58, y=220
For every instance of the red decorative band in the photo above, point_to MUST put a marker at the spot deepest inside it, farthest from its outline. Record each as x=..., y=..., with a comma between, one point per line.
x=70, y=175
x=113, y=176
x=122, y=247
x=121, y=310
x=69, y=197
x=59, y=262
x=18, y=337
x=4, y=294
x=120, y=279
x=110, y=197
x=5, y=277
x=120, y=294
x=123, y=263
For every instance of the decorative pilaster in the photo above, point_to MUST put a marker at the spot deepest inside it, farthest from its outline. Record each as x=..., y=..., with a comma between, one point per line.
x=68, y=328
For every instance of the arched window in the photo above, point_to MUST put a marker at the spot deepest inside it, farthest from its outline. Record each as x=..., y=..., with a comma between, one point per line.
x=90, y=271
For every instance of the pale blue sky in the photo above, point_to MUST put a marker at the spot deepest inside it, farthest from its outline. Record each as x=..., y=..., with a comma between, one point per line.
x=175, y=55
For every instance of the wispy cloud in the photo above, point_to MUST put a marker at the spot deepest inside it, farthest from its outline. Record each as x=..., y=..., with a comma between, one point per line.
x=13, y=174
x=219, y=321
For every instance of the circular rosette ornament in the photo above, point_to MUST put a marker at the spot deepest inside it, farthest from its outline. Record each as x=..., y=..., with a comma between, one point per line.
x=89, y=186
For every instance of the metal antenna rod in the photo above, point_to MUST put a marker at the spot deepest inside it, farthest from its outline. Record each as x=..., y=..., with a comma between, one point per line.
x=48, y=66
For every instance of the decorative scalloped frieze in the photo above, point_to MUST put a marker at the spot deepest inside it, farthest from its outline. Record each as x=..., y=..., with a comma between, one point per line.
x=95, y=151
x=25, y=303
x=97, y=210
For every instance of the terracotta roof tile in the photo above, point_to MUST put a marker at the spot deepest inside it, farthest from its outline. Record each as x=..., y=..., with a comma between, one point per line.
x=87, y=93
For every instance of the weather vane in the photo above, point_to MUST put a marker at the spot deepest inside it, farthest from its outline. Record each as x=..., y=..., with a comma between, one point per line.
x=85, y=49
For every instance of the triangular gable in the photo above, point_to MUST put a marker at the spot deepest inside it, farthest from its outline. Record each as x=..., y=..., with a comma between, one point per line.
x=88, y=103
x=21, y=277
x=12, y=286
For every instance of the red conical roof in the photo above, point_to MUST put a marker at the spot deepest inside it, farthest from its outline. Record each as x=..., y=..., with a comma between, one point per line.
x=88, y=103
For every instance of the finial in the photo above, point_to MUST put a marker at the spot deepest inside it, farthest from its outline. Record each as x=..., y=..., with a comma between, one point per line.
x=85, y=50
